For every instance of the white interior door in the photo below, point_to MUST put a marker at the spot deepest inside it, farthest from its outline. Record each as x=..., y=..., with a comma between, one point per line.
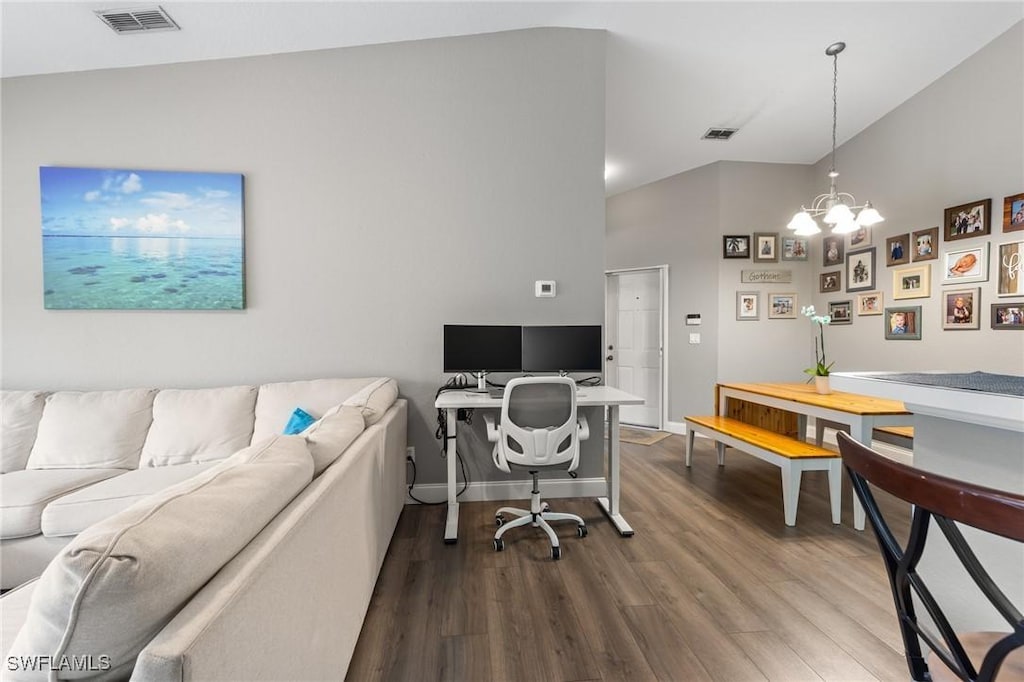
x=634, y=342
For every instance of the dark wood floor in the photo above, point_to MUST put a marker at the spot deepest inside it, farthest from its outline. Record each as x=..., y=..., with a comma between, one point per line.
x=713, y=586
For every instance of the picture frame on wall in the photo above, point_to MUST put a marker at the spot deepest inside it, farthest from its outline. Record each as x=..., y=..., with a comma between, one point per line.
x=925, y=244
x=966, y=265
x=1013, y=213
x=860, y=270
x=841, y=312
x=832, y=251
x=736, y=246
x=795, y=248
x=1008, y=315
x=912, y=282
x=961, y=308
x=903, y=323
x=858, y=239
x=782, y=306
x=897, y=250
x=1011, y=269
x=967, y=220
x=830, y=281
x=748, y=305
x=766, y=247
x=870, y=303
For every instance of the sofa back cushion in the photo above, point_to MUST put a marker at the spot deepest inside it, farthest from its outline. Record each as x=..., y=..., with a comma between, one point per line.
x=374, y=399
x=199, y=425
x=20, y=412
x=331, y=435
x=276, y=402
x=121, y=580
x=94, y=429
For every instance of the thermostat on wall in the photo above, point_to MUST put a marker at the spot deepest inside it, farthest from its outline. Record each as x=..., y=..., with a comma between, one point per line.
x=693, y=318
x=544, y=288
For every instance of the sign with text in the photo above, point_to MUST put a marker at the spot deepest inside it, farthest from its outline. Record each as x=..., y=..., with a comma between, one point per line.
x=766, y=276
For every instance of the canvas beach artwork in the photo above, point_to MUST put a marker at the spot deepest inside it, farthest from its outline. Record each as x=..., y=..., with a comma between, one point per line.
x=140, y=239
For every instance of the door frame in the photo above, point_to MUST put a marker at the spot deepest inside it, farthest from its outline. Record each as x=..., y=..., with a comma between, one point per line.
x=662, y=271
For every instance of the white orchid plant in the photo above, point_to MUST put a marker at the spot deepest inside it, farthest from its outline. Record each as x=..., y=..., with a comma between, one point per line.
x=820, y=369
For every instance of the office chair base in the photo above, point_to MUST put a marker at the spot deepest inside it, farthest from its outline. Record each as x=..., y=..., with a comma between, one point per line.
x=540, y=520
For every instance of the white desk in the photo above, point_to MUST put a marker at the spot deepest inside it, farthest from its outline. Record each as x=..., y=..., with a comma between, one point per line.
x=589, y=396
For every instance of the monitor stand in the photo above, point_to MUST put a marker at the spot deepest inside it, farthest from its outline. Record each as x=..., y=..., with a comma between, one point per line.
x=481, y=383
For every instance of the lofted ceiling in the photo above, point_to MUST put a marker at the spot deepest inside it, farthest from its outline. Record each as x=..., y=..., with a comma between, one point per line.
x=674, y=69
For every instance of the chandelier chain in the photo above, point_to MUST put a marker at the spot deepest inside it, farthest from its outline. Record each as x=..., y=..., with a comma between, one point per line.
x=835, y=106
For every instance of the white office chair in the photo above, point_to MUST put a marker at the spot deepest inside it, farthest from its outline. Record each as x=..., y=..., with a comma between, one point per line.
x=539, y=428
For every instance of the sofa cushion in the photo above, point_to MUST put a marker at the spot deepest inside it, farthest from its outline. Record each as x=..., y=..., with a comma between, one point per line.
x=95, y=429
x=20, y=412
x=375, y=399
x=13, y=611
x=331, y=435
x=73, y=513
x=24, y=494
x=199, y=425
x=276, y=402
x=121, y=580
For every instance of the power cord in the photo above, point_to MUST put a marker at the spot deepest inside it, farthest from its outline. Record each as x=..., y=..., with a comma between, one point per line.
x=465, y=483
x=459, y=382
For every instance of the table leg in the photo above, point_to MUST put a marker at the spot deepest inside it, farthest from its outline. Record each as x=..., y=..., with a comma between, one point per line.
x=861, y=431
x=451, y=526
x=610, y=504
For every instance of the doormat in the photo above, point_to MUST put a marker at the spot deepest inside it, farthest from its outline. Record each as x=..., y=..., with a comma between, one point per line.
x=641, y=436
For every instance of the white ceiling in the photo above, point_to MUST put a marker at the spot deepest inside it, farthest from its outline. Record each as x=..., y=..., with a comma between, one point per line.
x=674, y=69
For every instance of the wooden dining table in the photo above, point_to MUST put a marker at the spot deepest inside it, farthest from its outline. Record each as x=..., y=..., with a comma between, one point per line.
x=861, y=413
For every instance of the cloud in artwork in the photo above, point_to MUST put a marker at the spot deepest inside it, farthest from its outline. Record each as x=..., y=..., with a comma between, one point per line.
x=131, y=184
x=167, y=201
x=160, y=224
x=215, y=193
x=93, y=195
x=118, y=223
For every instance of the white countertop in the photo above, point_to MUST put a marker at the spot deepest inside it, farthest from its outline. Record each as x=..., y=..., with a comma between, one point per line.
x=975, y=407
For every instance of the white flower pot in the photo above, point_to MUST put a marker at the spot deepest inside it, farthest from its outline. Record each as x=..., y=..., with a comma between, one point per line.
x=821, y=385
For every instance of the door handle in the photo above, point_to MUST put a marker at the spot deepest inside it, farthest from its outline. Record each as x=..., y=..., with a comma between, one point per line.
x=609, y=358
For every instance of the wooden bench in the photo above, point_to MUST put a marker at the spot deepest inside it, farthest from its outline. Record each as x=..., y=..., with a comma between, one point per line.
x=789, y=454
x=900, y=436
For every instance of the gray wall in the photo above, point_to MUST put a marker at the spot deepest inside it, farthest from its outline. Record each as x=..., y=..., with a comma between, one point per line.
x=680, y=221
x=389, y=189
x=959, y=140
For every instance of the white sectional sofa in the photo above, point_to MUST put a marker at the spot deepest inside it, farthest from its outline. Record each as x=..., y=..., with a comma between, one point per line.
x=254, y=554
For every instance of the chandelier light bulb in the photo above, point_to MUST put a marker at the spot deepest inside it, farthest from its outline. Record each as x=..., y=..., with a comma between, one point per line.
x=838, y=213
x=868, y=215
x=803, y=223
x=846, y=226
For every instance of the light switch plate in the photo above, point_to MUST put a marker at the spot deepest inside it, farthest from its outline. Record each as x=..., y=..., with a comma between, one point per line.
x=695, y=337
x=544, y=288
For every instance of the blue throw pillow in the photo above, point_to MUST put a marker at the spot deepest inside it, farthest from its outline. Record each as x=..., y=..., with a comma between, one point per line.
x=298, y=422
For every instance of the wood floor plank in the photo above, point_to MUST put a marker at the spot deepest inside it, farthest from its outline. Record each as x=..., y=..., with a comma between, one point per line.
x=660, y=642
x=465, y=657
x=776, y=660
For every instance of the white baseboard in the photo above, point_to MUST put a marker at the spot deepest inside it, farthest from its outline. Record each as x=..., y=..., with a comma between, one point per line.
x=484, y=491
x=676, y=427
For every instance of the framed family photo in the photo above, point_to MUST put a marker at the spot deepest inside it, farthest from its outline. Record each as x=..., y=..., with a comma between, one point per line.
x=831, y=281
x=766, y=247
x=967, y=220
x=1011, y=269
x=782, y=306
x=795, y=248
x=897, y=250
x=860, y=270
x=869, y=303
x=841, y=312
x=903, y=324
x=1008, y=315
x=1013, y=213
x=962, y=308
x=925, y=244
x=966, y=265
x=858, y=239
x=736, y=246
x=748, y=305
x=832, y=250
x=912, y=282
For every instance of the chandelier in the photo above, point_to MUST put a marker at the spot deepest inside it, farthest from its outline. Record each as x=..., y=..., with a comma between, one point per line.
x=836, y=207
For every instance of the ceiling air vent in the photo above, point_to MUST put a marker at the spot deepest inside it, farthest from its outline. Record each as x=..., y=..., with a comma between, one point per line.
x=137, y=20
x=719, y=133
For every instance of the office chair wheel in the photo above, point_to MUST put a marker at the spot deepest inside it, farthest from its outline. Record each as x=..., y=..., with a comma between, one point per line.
x=556, y=553
x=499, y=544
x=544, y=506
x=499, y=520
x=581, y=530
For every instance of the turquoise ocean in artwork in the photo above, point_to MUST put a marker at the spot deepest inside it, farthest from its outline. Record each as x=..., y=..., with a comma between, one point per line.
x=127, y=272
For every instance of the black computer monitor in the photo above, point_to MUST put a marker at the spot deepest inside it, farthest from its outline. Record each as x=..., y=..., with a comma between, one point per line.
x=479, y=349
x=562, y=348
